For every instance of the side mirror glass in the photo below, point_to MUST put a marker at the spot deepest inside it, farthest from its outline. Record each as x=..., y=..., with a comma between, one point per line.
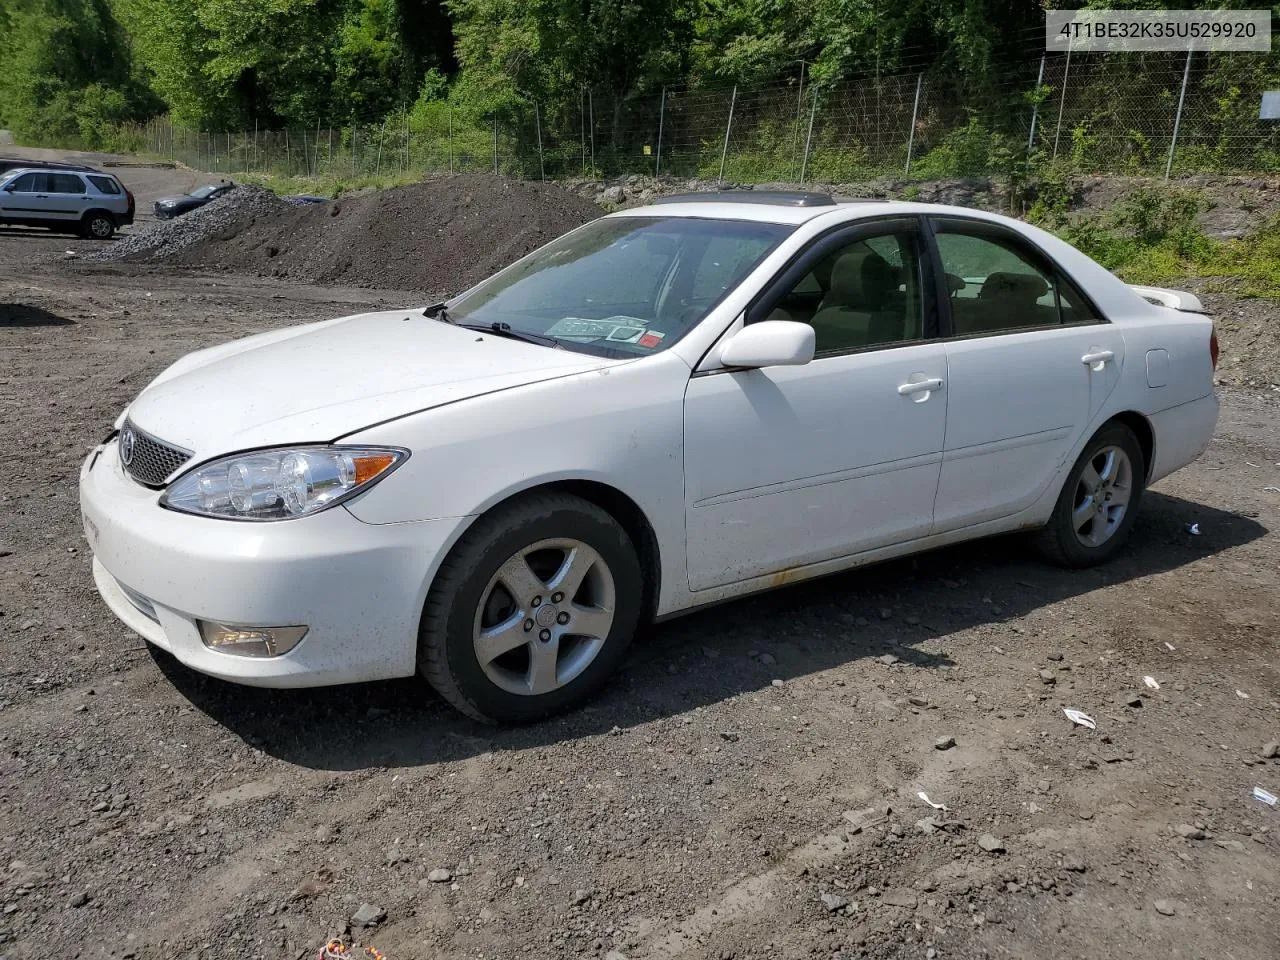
x=770, y=343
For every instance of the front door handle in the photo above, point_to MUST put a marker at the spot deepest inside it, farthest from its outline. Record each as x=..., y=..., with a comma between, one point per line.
x=925, y=386
x=1097, y=359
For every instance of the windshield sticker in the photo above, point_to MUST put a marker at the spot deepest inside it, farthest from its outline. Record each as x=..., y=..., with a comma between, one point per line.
x=618, y=329
x=626, y=334
x=650, y=339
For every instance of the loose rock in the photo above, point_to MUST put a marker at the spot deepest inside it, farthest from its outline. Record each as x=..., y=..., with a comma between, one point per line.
x=944, y=743
x=368, y=915
x=990, y=844
x=440, y=875
x=834, y=902
x=1166, y=908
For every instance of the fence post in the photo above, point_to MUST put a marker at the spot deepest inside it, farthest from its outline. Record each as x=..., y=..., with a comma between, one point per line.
x=724, y=151
x=449, y=110
x=804, y=164
x=495, y=143
x=1035, y=106
x=911, y=134
x=795, y=137
x=662, y=116
x=255, y=143
x=1062, y=99
x=330, y=156
x=408, y=138
x=377, y=170
x=591, y=117
x=537, y=120
x=355, y=149
x=1177, y=117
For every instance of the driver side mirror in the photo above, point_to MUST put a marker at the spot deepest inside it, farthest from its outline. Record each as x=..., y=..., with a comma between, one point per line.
x=770, y=343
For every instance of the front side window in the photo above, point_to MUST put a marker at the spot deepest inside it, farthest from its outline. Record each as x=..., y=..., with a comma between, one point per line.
x=863, y=294
x=622, y=285
x=998, y=284
x=29, y=183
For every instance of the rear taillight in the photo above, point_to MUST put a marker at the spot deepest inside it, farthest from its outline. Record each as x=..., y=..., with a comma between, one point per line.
x=1213, y=348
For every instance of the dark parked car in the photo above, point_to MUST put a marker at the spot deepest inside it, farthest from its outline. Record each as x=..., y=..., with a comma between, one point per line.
x=14, y=163
x=170, y=207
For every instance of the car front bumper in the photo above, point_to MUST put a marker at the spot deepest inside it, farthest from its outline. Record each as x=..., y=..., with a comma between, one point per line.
x=357, y=587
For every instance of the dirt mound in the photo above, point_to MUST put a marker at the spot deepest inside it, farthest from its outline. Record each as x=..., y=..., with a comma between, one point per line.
x=439, y=236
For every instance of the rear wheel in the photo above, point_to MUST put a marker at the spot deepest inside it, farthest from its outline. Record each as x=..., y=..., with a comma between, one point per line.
x=1096, y=509
x=98, y=226
x=531, y=611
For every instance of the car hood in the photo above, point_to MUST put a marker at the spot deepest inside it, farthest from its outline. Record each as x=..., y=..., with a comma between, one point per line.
x=321, y=381
x=170, y=201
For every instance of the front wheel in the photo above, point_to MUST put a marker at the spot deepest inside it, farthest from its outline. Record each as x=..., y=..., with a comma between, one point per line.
x=532, y=610
x=1096, y=509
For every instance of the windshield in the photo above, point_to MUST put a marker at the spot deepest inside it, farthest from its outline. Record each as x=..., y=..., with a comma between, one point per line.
x=622, y=286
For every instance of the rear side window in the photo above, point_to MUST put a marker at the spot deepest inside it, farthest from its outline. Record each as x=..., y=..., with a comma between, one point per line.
x=65, y=183
x=105, y=184
x=999, y=284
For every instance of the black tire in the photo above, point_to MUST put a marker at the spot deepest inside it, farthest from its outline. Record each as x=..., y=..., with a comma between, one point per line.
x=1058, y=541
x=446, y=637
x=97, y=225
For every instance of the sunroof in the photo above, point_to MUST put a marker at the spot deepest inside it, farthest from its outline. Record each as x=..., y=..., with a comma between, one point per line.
x=775, y=198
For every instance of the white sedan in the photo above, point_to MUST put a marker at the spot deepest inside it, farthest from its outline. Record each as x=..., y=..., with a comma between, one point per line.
x=665, y=408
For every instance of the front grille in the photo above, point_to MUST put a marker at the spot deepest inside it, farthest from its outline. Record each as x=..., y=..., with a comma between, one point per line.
x=148, y=460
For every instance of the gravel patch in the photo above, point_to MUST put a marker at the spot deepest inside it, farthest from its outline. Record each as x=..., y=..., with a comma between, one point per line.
x=225, y=216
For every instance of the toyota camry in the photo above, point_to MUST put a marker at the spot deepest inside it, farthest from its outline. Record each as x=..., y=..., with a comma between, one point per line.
x=667, y=407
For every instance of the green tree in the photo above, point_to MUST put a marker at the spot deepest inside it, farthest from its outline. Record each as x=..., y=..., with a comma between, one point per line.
x=67, y=76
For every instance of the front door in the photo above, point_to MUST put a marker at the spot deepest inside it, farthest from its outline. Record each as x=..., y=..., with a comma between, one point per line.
x=787, y=466
x=1029, y=362
x=27, y=196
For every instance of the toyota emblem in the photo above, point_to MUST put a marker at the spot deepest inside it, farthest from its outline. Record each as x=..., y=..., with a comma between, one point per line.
x=127, y=441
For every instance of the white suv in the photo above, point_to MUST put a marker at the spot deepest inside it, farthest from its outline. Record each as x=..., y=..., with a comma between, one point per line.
x=88, y=202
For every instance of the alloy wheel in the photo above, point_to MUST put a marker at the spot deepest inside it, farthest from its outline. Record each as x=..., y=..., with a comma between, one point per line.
x=1102, y=496
x=544, y=616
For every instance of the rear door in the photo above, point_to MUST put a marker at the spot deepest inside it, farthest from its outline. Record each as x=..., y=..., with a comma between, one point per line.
x=1030, y=363
x=67, y=197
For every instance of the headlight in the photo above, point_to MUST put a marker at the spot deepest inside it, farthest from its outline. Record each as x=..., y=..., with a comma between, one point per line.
x=280, y=484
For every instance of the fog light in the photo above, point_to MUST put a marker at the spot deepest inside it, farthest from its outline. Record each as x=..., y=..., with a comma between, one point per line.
x=250, y=641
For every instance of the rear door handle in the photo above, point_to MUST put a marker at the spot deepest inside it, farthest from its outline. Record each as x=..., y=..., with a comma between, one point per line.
x=920, y=386
x=1096, y=358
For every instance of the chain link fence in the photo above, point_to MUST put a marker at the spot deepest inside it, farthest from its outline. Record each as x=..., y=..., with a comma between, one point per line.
x=1141, y=113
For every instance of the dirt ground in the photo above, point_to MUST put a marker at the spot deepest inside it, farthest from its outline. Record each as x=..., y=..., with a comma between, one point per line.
x=746, y=788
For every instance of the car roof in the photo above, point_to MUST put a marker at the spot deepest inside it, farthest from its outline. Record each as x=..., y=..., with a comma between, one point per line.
x=21, y=164
x=842, y=210
x=40, y=168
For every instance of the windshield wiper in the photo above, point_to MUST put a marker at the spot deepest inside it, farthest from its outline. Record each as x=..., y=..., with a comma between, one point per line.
x=501, y=329
x=438, y=311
